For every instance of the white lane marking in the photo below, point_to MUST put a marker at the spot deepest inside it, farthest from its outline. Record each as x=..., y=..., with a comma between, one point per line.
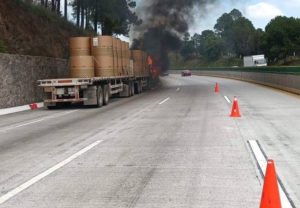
x=262, y=162
x=165, y=100
x=36, y=121
x=177, y=90
x=25, y=124
x=62, y=114
x=227, y=99
x=39, y=177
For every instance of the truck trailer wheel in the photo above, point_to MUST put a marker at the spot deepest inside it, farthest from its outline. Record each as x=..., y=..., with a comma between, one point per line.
x=52, y=107
x=106, y=95
x=138, y=87
x=99, y=96
x=132, y=88
x=129, y=89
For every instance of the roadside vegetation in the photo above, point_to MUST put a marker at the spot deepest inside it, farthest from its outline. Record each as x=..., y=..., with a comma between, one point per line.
x=2, y=47
x=43, y=27
x=234, y=37
x=111, y=16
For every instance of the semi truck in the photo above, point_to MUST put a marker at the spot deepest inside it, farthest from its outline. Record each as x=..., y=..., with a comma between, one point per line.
x=255, y=61
x=98, y=72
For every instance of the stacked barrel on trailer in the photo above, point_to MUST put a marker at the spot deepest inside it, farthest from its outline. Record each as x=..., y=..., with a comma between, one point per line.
x=125, y=58
x=105, y=56
x=102, y=51
x=136, y=57
x=140, y=63
x=81, y=61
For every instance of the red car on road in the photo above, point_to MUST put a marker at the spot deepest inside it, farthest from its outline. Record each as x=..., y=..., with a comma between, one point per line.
x=186, y=73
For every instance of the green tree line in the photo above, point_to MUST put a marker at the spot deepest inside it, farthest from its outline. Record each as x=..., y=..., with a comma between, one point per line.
x=112, y=16
x=235, y=36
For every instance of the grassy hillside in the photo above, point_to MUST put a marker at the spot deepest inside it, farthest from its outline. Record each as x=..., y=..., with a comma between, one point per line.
x=33, y=30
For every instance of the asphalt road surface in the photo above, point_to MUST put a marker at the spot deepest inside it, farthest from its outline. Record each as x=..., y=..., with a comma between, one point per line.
x=171, y=147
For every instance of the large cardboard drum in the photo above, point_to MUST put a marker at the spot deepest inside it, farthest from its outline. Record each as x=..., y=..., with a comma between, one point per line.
x=124, y=58
x=115, y=55
x=102, y=45
x=82, y=67
x=137, y=57
x=119, y=55
x=104, y=41
x=104, y=66
x=80, y=46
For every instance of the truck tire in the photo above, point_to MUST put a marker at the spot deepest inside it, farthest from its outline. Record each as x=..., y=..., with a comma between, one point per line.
x=136, y=88
x=140, y=87
x=99, y=96
x=105, y=95
x=51, y=107
x=132, y=88
x=129, y=89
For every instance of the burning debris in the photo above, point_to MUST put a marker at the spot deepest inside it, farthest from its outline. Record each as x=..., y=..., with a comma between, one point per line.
x=164, y=23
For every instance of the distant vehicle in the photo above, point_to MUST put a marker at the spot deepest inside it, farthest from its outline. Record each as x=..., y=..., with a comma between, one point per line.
x=255, y=61
x=165, y=74
x=186, y=73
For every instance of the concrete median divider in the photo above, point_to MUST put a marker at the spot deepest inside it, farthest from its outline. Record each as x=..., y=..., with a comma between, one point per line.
x=32, y=106
x=287, y=81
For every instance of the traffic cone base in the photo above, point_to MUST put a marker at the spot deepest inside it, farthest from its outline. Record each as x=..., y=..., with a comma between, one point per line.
x=270, y=197
x=235, y=112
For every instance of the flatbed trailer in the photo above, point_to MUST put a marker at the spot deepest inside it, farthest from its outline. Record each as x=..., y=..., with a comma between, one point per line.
x=95, y=91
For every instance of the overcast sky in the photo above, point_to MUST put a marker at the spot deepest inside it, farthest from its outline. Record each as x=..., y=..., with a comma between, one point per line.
x=260, y=12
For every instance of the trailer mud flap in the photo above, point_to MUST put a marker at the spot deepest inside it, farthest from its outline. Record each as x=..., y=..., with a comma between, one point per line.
x=126, y=91
x=91, y=95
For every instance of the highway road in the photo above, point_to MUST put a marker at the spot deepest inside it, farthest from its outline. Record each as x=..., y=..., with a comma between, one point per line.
x=171, y=147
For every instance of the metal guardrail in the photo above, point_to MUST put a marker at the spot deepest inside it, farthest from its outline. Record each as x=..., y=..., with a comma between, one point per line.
x=275, y=69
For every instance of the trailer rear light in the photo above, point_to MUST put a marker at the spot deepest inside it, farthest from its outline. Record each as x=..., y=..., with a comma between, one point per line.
x=64, y=81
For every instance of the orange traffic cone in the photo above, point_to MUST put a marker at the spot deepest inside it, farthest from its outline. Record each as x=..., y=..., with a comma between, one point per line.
x=270, y=197
x=217, y=88
x=235, y=112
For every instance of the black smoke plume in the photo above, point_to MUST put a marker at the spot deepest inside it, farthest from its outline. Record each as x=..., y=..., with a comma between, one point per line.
x=164, y=24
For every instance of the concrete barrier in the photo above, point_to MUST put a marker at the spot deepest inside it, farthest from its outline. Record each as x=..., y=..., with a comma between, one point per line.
x=19, y=75
x=286, y=82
